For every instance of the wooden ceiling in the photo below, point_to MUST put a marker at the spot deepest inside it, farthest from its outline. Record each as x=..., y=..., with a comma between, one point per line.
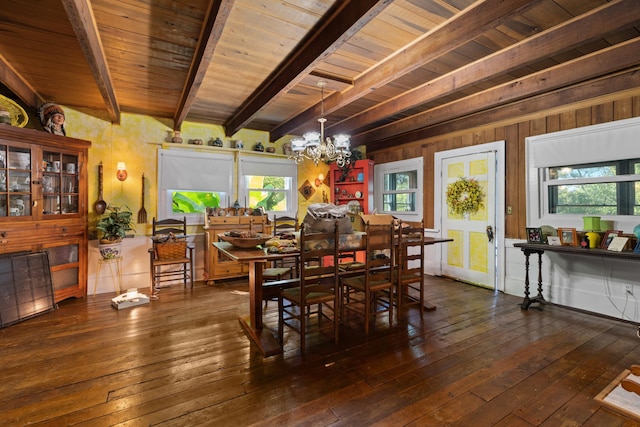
x=391, y=67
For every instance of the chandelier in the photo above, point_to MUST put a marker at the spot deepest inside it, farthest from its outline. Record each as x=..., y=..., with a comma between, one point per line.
x=314, y=146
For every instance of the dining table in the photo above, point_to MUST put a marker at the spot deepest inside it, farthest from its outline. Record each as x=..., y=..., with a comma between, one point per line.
x=257, y=257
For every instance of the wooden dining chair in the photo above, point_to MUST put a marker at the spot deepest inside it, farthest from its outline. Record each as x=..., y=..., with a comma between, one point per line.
x=303, y=308
x=370, y=292
x=409, y=272
x=173, y=261
x=281, y=269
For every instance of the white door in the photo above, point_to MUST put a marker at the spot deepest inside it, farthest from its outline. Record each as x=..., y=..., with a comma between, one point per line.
x=472, y=255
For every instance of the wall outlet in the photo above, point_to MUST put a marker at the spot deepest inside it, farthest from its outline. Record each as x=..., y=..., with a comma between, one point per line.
x=628, y=288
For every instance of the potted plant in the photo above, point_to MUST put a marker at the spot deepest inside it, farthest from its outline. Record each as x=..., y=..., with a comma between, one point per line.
x=114, y=224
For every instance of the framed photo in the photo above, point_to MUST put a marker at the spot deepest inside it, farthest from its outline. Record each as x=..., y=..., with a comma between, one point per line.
x=534, y=235
x=608, y=237
x=567, y=236
x=637, y=248
x=554, y=241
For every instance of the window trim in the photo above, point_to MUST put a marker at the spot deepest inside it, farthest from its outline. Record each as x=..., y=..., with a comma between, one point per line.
x=407, y=165
x=576, y=146
x=196, y=172
x=267, y=166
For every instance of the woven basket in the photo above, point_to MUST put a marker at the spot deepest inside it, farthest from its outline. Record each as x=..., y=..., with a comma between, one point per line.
x=171, y=249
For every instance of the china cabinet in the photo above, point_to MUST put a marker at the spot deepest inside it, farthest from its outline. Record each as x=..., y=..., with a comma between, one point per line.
x=43, y=203
x=353, y=186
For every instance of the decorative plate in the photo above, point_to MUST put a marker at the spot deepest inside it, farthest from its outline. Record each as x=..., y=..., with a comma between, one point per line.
x=358, y=194
x=19, y=117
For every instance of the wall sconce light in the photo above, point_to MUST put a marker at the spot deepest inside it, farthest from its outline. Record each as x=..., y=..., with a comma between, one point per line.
x=319, y=180
x=121, y=171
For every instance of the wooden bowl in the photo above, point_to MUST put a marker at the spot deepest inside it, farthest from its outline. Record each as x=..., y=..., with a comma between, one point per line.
x=246, y=242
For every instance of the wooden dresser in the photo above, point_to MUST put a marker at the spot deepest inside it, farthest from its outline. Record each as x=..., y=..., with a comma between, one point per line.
x=43, y=203
x=216, y=265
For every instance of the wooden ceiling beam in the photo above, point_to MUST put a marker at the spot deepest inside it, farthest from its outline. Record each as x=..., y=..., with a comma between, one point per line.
x=84, y=25
x=217, y=16
x=584, y=68
x=604, y=89
x=18, y=85
x=580, y=30
x=461, y=29
x=343, y=23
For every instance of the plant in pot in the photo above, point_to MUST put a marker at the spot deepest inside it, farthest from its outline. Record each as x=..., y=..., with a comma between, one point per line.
x=114, y=224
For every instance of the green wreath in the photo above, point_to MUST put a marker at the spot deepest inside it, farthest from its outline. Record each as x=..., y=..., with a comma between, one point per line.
x=465, y=196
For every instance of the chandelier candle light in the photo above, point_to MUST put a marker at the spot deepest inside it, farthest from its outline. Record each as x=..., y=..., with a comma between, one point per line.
x=314, y=146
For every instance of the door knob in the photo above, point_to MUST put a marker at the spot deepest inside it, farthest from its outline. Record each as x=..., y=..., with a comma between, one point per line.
x=490, y=233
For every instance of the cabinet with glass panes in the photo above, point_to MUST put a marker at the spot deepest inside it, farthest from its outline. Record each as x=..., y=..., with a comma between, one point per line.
x=43, y=202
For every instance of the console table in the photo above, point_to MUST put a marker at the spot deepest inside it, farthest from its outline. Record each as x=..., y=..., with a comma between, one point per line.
x=538, y=248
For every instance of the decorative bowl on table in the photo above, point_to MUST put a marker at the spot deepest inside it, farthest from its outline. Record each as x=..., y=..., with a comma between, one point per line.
x=246, y=242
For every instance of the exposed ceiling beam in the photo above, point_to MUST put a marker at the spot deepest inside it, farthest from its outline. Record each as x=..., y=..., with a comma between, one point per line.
x=455, y=32
x=584, y=68
x=593, y=24
x=626, y=82
x=217, y=16
x=84, y=25
x=345, y=21
x=18, y=85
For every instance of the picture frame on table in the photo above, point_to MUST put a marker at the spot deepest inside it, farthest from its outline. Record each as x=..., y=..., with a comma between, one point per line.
x=534, y=235
x=554, y=241
x=608, y=237
x=568, y=236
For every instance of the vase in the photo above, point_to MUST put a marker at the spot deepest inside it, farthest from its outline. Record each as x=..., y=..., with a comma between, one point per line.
x=177, y=138
x=110, y=250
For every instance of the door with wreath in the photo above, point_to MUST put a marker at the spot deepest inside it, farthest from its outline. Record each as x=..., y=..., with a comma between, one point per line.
x=468, y=216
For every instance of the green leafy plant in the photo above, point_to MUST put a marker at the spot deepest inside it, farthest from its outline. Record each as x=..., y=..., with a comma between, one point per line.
x=115, y=223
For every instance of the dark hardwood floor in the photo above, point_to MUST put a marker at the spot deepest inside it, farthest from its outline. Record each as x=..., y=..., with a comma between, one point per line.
x=478, y=360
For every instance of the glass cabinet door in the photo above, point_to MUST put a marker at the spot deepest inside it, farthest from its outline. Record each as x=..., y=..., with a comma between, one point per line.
x=59, y=183
x=15, y=181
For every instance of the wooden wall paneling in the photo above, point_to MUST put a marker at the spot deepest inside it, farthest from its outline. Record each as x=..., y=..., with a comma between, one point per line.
x=553, y=123
x=602, y=113
x=524, y=130
x=622, y=109
x=568, y=120
x=537, y=126
x=635, y=102
x=428, y=189
x=583, y=117
x=512, y=170
x=489, y=135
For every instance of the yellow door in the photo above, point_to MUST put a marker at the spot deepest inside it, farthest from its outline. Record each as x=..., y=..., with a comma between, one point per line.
x=471, y=257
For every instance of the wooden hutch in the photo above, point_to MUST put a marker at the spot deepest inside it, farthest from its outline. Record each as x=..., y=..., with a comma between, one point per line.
x=216, y=265
x=43, y=203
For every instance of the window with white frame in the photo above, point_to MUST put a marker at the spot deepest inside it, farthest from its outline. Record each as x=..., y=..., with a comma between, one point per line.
x=594, y=170
x=398, y=188
x=268, y=183
x=190, y=181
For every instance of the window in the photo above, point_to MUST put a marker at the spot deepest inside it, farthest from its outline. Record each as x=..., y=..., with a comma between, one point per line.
x=594, y=170
x=607, y=188
x=183, y=202
x=397, y=188
x=189, y=181
x=268, y=192
x=269, y=183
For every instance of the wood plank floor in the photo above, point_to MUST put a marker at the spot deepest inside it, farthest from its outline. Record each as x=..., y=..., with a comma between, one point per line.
x=478, y=360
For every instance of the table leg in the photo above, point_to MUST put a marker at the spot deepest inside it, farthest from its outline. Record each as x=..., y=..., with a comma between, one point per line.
x=527, y=301
x=252, y=325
